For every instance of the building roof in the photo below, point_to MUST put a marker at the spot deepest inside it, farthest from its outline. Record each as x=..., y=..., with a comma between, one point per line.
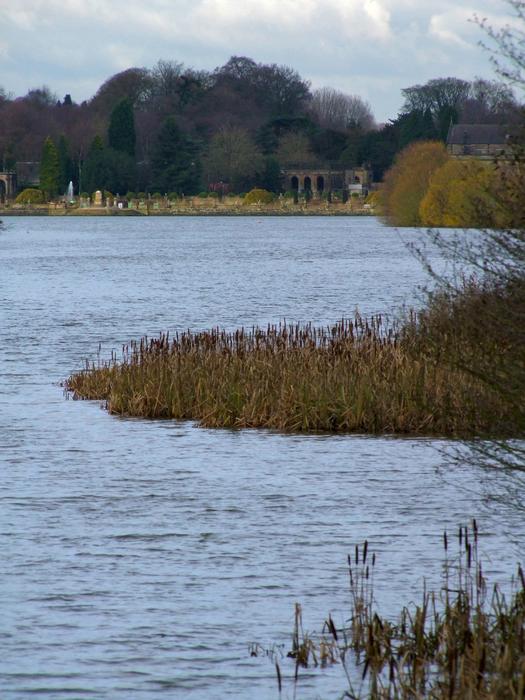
x=476, y=133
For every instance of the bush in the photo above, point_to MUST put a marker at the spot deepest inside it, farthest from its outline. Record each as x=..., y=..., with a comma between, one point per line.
x=202, y=195
x=84, y=195
x=407, y=181
x=156, y=195
x=30, y=196
x=130, y=196
x=141, y=195
x=259, y=196
x=462, y=194
x=173, y=196
x=214, y=195
x=355, y=195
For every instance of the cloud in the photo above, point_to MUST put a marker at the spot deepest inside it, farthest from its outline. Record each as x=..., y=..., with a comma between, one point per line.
x=369, y=47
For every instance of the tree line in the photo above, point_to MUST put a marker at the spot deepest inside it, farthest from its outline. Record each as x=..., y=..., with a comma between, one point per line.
x=175, y=129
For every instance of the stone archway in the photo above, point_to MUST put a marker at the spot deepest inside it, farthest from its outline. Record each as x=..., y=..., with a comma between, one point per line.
x=320, y=183
x=2, y=191
x=294, y=183
x=8, y=181
x=307, y=184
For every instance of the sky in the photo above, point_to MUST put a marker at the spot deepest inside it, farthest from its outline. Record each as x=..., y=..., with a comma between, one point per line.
x=371, y=48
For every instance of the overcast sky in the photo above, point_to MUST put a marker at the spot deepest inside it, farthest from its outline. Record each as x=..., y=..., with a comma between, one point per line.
x=372, y=48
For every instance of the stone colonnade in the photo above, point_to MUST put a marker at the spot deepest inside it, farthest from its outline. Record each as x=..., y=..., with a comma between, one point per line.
x=7, y=186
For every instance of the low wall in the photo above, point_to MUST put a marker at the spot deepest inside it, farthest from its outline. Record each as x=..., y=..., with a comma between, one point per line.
x=199, y=207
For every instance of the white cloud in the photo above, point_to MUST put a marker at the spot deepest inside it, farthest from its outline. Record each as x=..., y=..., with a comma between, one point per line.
x=372, y=47
x=443, y=27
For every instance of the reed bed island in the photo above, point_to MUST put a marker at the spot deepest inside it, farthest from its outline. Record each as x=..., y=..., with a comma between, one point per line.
x=355, y=376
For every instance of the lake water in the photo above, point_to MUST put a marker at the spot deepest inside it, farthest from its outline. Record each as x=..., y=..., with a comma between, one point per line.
x=140, y=559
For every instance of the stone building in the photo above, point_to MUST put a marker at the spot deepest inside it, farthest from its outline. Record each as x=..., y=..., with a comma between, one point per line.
x=8, y=186
x=481, y=141
x=319, y=179
x=25, y=174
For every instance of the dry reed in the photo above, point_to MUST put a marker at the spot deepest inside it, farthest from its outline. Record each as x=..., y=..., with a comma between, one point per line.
x=361, y=376
x=464, y=643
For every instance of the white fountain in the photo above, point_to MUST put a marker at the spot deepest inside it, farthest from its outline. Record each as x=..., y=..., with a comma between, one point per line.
x=69, y=194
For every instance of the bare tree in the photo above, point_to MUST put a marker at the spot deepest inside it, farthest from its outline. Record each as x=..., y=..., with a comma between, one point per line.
x=484, y=322
x=232, y=157
x=436, y=95
x=489, y=102
x=133, y=84
x=166, y=77
x=337, y=110
x=507, y=54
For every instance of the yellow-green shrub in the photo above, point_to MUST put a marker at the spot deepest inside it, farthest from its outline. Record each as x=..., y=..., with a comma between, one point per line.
x=461, y=193
x=259, y=196
x=407, y=181
x=30, y=196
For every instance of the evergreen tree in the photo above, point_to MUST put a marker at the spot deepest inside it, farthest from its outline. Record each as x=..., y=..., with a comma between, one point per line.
x=175, y=166
x=270, y=178
x=49, y=169
x=121, y=132
x=94, y=174
x=417, y=125
x=65, y=163
x=107, y=169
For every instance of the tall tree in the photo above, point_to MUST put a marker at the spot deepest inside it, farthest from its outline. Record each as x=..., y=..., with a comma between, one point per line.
x=443, y=97
x=270, y=177
x=417, y=125
x=234, y=158
x=462, y=194
x=294, y=148
x=134, y=84
x=277, y=90
x=121, y=132
x=94, y=174
x=175, y=166
x=407, y=181
x=65, y=164
x=334, y=109
x=108, y=169
x=49, y=169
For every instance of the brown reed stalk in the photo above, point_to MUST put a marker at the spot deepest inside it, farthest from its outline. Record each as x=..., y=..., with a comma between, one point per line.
x=360, y=375
x=460, y=644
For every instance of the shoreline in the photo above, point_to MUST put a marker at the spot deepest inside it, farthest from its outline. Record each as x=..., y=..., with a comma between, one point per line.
x=5, y=213
x=187, y=212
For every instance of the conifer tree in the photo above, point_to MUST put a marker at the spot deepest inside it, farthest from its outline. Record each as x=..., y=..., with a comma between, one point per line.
x=94, y=170
x=174, y=164
x=65, y=163
x=49, y=169
x=107, y=169
x=121, y=132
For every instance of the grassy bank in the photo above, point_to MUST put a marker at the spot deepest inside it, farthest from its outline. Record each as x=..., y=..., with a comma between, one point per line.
x=464, y=642
x=356, y=376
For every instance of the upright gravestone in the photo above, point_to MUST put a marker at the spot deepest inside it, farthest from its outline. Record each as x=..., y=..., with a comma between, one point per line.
x=98, y=198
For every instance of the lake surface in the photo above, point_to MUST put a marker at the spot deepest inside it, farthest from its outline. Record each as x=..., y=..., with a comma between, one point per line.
x=140, y=559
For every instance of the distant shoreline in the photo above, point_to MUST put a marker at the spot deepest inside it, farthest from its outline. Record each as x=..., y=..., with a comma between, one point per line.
x=197, y=211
